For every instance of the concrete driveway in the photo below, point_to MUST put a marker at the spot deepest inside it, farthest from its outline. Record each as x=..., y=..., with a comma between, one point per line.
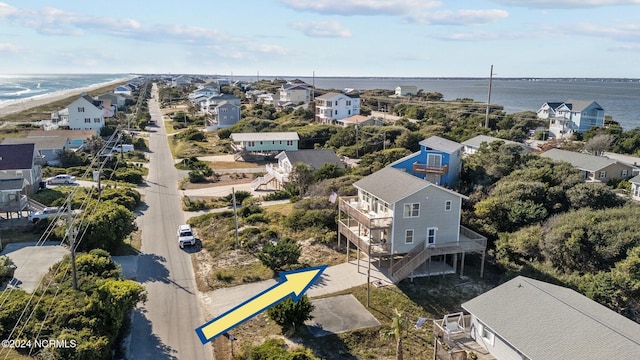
x=33, y=262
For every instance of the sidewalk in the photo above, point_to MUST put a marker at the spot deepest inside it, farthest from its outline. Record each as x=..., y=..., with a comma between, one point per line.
x=335, y=278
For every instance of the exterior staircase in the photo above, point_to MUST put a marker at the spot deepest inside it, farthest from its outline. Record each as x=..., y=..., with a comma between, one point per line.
x=35, y=206
x=418, y=255
x=261, y=181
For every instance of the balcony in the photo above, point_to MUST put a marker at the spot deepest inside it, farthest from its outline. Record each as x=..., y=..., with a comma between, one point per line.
x=453, y=339
x=430, y=169
x=370, y=219
x=14, y=205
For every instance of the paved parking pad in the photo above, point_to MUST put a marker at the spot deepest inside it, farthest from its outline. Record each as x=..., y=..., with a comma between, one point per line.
x=129, y=265
x=33, y=262
x=338, y=314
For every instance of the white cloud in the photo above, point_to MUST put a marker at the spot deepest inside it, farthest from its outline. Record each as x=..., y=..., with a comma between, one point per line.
x=566, y=4
x=8, y=48
x=413, y=11
x=363, y=7
x=322, y=29
x=622, y=33
x=460, y=17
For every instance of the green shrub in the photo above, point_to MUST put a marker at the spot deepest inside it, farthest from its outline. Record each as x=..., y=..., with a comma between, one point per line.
x=256, y=218
x=283, y=254
x=291, y=315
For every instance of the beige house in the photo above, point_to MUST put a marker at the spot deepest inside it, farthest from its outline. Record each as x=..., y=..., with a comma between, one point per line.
x=593, y=168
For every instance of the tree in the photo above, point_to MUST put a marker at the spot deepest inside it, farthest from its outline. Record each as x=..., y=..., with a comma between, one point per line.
x=302, y=176
x=398, y=325
x=599, y=144
x=283, y=254
x=106, y=227
x=592, y=195
x=290, y=315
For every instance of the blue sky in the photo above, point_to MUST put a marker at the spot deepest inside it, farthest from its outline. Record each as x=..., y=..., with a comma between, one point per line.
x=425, y=38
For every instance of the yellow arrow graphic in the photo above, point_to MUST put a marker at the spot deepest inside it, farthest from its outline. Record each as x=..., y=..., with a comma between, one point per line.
x=292, y=283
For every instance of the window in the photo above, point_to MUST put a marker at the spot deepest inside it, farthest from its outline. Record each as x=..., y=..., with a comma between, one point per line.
x=408, y=236
x=289, y=142
x=431, y=235
x=447, y=205
x=80, y=109
x=260, y=142
x=251, y=143
x=488, y=335
x=96, y=120
x=336, y=103
x=336, y=112
x=411, y=210
x=87, y=120
x=348, y=102
x=603, y=174
x=623, y=173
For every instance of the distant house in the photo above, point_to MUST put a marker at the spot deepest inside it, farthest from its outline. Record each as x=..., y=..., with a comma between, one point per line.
x=21, y=161
x=203, y=92
x=49, y=147
x=406, y=90
x=332, y=106
x=635, y=187
x=438, y=161
x=294, y=93
x=571, y=116
x=116, y=99
x=360, y=120
x=472, y=145
x=211, y=103
x=266, y=143
x=223, y=115
x=593, y=168
x=531, y=319
x=85, y=113
x=123, y=90
x=396, y=214
x=280, y=174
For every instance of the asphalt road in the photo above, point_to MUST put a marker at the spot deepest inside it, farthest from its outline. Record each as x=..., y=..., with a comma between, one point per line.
x=164, y=327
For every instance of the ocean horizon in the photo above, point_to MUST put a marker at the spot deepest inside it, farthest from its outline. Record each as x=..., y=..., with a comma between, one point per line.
x=620, y=97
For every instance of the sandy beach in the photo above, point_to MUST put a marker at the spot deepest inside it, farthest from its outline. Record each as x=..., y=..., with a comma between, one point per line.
x=11, y=107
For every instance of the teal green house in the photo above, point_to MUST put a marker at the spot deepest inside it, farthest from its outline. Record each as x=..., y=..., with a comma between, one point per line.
x=264, y=143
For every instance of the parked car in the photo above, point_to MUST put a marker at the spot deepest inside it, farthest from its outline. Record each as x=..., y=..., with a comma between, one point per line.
x=61, y=179
x=185, y=236
x=124, y=147
x=46, y=213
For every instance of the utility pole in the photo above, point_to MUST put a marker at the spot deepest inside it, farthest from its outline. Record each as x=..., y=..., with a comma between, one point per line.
x=486, y=117
x=313, y=86
x=357, y=156
x=72, y=245
x=235, y=214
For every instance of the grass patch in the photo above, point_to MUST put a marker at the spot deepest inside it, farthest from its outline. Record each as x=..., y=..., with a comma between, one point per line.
x=218, y=165
x=19, y=235
x=282, y=209
x=238, y=275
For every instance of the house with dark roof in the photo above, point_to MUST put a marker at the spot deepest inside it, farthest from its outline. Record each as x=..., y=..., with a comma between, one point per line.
x=49, y=147
x=333, y=106
x=571, y=116
x=86, y=113
x=400, y=216
x=280, y=173
x=20, y=175
x=531, y=319
x=593, y=168
x=223, y=115
x=438, y=161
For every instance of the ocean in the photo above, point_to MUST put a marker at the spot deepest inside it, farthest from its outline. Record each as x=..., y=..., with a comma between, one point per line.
x=17, y=87
x=620, y=98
